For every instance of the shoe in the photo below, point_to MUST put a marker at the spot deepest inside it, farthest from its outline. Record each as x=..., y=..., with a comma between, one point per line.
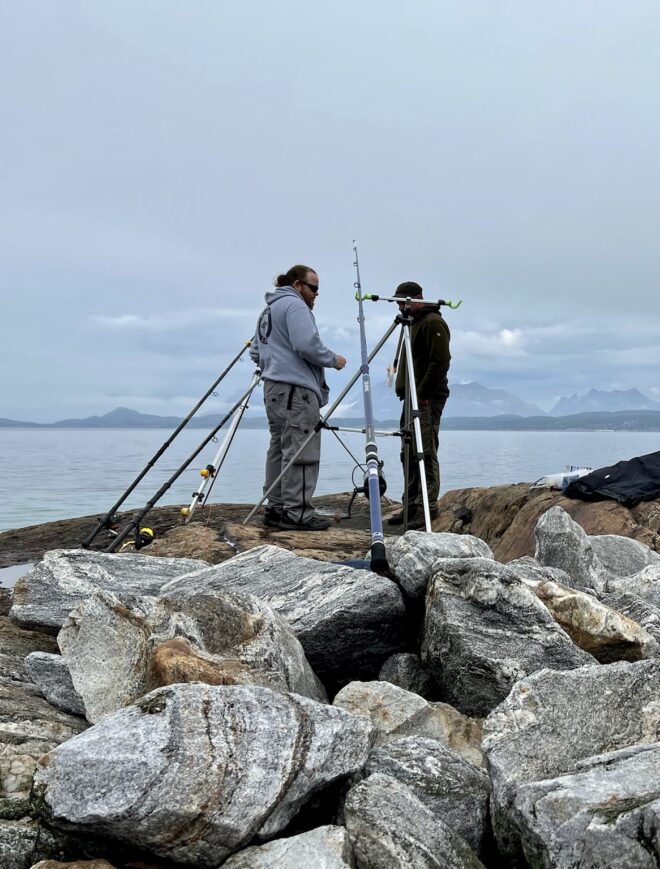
x=272, y=516
x=316, y=523
x=397, y=519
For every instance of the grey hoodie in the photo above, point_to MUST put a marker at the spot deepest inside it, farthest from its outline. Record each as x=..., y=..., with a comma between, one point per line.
x=287, y=346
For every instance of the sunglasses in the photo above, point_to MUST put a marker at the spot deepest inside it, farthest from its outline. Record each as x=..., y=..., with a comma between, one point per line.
x=313, y=287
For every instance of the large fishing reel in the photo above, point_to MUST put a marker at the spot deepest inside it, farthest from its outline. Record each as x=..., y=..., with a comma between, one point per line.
x=364, y=488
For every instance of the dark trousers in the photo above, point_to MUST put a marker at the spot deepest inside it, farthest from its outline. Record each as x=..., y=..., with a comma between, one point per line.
x=429, y=418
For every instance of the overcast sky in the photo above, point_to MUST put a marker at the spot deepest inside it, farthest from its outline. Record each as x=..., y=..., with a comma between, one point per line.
x=161, y=162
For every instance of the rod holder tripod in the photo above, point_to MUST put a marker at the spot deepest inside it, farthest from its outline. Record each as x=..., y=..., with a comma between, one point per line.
x=211, y=471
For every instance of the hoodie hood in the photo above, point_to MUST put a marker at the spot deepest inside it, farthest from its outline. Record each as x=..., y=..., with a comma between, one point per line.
x=279, y=293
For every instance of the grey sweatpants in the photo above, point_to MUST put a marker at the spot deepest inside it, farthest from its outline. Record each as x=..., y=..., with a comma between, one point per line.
x=292, y=413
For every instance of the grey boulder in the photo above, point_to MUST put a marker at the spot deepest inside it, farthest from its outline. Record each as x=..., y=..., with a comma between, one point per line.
x=553, y=720
x=484, y=630
x=413, y=554
x=348, y=621
x=622, y=556
x=562, y=543
x=326, y=847
x=51, y=675
x=118, y=652
x=454, y=790
x=395, y=712
x=64, y=578
x=606, y=813
x=645, y=584
x=196, y=772
x=391, y=829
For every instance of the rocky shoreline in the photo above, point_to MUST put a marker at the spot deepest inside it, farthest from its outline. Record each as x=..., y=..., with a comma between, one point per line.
x=265, y=707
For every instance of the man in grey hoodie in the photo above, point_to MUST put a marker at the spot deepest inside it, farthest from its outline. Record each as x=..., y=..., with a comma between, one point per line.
x=291, y=355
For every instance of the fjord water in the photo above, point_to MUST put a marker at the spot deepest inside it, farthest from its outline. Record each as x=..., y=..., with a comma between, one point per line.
x=49, y=474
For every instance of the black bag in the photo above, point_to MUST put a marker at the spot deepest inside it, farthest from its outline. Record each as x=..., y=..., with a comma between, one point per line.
x=627, y=482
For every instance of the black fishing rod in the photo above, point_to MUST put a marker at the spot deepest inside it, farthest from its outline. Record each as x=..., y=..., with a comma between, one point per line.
x=134, y=524
x=108, y=521
x=373, y=476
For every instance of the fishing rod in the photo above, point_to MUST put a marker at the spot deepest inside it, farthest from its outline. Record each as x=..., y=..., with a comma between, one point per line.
x=134, y=524
x=211, y=471
x=108, y=522
x=373, y=476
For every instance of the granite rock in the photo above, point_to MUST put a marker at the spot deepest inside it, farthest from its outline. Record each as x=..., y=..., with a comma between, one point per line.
x=117, y=652
x=622, y=556
x=606, y=813
x=51, y=675
x=29, y=727
x=454, y=790
x=552, y=720
x=412, y=556
x=562, y=543
x=406, y=671
x=196, y=772
x=390, y=828
x=484, y=630
x=606, y=634
x=395, y=712
x=647, y=615
x=15, y=644
x=45, y=596
x=348, y=621
x=326, y=847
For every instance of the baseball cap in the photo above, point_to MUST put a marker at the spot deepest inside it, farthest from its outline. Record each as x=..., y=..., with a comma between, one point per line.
x=409, y=288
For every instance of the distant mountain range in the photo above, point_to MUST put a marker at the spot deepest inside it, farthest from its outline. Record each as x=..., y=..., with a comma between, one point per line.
x=597, y=401
x=470, y=406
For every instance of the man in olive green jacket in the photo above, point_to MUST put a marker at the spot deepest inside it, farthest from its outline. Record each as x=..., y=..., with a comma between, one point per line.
x=430, y=350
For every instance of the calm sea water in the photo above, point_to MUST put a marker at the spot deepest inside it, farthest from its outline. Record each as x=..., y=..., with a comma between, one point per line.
x=58, y=474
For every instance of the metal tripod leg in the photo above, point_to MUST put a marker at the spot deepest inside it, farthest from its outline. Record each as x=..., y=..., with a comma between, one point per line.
x=321, y=422
x=202, y=494
x=417, y=428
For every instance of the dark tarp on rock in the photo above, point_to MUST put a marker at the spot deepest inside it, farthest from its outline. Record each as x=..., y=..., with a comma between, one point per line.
x=627, y=482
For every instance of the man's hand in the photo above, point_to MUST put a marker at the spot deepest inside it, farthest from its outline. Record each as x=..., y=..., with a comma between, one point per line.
x=340, y=362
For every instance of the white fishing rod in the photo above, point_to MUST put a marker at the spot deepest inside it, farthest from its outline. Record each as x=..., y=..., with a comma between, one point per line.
x=373, y=476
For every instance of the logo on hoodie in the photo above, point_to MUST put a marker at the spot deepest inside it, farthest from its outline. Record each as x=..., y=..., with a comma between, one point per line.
x=265, y=326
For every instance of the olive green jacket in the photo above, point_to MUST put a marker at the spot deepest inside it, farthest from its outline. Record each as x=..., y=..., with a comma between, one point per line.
x=430, y=349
